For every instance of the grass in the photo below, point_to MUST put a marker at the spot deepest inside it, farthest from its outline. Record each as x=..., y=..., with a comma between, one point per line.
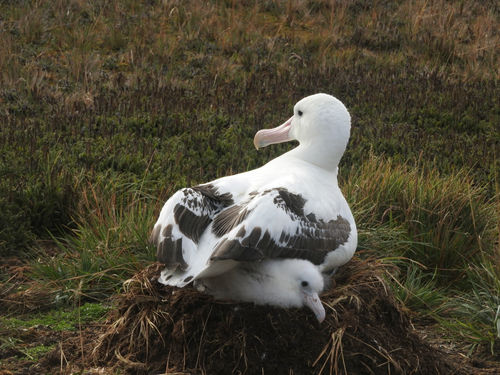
x=108, y=107
x=442, y=233
x=108, y=244
x=33, y=353
x=446, y=269
x=31, y=337
x=449, y=219
x=59, y=320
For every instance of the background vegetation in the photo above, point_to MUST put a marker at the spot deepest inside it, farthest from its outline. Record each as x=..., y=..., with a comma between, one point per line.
x=107, y=107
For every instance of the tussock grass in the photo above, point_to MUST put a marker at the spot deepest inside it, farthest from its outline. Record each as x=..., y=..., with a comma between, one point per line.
x=418, y=291
x=450, y=220
x=108, y=244
x=441, y=231
x=476, y=314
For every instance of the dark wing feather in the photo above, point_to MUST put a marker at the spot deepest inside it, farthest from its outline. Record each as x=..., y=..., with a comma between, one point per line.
x=197, y=209
x=302, y=236
x=193, y=210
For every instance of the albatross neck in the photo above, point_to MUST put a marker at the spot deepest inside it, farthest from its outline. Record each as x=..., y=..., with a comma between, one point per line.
x=325, y=155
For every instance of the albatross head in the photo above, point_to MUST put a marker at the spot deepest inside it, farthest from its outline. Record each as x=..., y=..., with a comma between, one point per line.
x=304, y=282
x=321, y=124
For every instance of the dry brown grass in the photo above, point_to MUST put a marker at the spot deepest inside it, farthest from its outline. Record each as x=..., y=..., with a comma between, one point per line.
x=462, y=35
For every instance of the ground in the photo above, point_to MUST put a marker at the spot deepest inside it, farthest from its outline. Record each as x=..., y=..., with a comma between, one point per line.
x=153, y=328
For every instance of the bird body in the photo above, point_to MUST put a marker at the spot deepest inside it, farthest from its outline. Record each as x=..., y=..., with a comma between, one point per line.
x=247, y=281
x=250, y=236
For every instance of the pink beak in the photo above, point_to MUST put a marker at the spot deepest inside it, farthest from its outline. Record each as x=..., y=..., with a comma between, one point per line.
x=314, y=303
x=279, y=134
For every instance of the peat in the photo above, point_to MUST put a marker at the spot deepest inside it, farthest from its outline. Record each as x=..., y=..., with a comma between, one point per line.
x=157, y=329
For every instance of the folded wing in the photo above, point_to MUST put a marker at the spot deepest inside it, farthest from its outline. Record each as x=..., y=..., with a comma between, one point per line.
x=273, y=224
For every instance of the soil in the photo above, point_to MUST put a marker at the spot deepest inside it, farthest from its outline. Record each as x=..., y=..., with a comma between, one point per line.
x=156, y=330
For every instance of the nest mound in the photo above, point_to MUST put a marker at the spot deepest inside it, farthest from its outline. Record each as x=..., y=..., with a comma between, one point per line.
x=158, y=329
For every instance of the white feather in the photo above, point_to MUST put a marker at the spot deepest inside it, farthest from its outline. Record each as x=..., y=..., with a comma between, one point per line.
x=321, y=124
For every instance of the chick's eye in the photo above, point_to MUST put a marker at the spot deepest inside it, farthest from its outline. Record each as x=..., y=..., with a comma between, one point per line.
x=304, y=283
x=300, y=113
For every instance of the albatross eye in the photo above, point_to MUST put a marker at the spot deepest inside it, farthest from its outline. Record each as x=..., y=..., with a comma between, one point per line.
x=300, y=113
x=304, y=283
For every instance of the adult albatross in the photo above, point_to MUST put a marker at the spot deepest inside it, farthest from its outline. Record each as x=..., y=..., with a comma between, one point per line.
x=270, y=234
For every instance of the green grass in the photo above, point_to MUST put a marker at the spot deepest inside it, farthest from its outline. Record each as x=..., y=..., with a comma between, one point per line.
x=32, y=353
x=418, y=291
x=450, y=220
x=59, y=320
x=108, y=244
x=36, y=352
x=441, y=231
x=108, y=107
x=34, y=335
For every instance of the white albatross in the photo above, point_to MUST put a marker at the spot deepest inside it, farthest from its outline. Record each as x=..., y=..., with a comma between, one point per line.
x=269, y=235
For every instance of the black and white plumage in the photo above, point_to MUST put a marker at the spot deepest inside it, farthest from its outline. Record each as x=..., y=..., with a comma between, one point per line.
x=267, y=235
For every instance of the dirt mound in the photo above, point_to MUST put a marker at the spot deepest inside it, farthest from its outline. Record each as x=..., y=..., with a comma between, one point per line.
x=158, y=329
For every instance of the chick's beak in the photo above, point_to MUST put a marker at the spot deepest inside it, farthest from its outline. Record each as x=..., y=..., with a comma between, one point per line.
x=312, y=301
x=279, y=134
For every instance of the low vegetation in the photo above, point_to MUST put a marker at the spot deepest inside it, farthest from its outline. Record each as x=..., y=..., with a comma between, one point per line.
x=107, y=107
x=29, y=339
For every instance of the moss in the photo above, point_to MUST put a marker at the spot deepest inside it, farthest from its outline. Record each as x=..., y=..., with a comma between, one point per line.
x=59, y=320
x=34, y=353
